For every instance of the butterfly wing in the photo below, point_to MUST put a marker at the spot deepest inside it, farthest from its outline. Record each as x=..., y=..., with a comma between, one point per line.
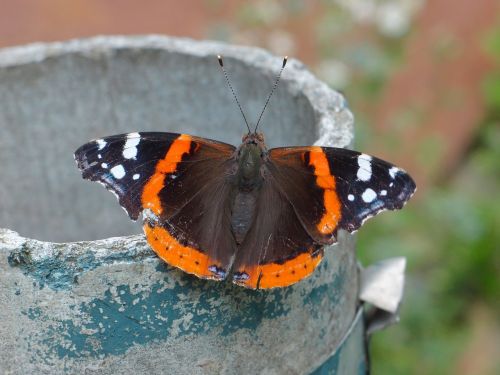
x=307, y=195
x=180, y=183
x=334, y=188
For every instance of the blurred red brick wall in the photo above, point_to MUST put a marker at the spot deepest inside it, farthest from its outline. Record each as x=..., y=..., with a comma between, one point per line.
x=432, y=105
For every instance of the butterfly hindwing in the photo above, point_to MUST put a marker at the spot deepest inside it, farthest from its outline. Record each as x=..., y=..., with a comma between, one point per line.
x=277, y=251
x=197, y=238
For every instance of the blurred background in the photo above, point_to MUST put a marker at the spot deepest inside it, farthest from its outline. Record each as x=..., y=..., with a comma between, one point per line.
x=423, y=81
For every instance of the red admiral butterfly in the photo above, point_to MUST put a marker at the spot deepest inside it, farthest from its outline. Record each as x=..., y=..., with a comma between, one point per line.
x=265, y=215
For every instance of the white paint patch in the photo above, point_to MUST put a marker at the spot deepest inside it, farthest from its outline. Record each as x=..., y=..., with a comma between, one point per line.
x=365, y=167
x=350, y=197
x=369, y=195
x=130, y=147
x=118, y=171
x=101, y=143
x=383, y=192
x=104, y=165
x=393, y=171
x=136, y=176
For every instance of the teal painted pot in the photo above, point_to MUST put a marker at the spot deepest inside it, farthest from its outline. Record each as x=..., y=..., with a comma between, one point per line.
x=78, y=303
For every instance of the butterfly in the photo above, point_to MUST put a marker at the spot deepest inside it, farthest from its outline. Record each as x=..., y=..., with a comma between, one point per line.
x=260, y=217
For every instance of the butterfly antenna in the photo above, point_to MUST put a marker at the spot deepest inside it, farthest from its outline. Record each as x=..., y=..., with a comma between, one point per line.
x=221, y=63
x=285, y=59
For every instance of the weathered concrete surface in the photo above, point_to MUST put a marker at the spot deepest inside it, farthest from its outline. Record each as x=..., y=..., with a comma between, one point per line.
x=110, y=306
x=55, y=97
x=351, y=355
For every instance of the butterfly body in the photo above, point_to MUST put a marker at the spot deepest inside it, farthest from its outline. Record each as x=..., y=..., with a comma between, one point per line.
x=259, y=217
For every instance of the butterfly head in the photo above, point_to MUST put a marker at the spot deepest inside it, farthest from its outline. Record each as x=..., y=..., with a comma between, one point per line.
x=253, y=138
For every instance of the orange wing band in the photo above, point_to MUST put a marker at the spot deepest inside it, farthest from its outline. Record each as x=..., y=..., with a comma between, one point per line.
x=150, y=198
x=275, y=275
x=326, y=181
x=186, y=258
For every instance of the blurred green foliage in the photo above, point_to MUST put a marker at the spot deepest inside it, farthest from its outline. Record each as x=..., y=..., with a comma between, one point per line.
x=451, y=237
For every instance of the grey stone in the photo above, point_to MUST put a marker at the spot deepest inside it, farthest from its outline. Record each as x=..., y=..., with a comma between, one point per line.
x=110, y=306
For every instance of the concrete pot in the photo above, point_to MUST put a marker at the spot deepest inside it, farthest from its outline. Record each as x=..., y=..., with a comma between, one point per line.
x=108, y=305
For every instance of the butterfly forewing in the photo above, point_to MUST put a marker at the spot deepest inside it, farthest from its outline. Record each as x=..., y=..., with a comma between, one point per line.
x=367, y=185
x=123, y=163
x=333, y=188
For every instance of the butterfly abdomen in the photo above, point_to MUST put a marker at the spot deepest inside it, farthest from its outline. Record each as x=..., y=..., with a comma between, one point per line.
x=242, y=214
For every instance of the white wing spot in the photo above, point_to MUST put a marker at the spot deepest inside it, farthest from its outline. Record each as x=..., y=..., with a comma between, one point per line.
x=365, y=167
x=104, y=165
x=393, y=171
x=99, y=156
x=369, y=195
x=391, y=184
x=383, y=192
x=130, y=147
x=136, y=176
x=350, y=197
x=118, y=171
x=101, y=143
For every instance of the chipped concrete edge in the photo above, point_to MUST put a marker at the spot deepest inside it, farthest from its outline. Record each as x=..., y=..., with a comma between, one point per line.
x=58, y=265
x=330, y=107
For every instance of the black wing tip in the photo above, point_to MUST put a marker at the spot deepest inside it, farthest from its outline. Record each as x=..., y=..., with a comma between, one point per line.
x=81, y=160
x=406, y=190
x=409, y=187
x=81, y=151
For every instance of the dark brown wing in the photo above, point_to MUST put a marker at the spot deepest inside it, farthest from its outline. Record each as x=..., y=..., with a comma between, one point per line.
x=127, y=164
x=308, y=194
x=331, y=188
x=180, y=183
